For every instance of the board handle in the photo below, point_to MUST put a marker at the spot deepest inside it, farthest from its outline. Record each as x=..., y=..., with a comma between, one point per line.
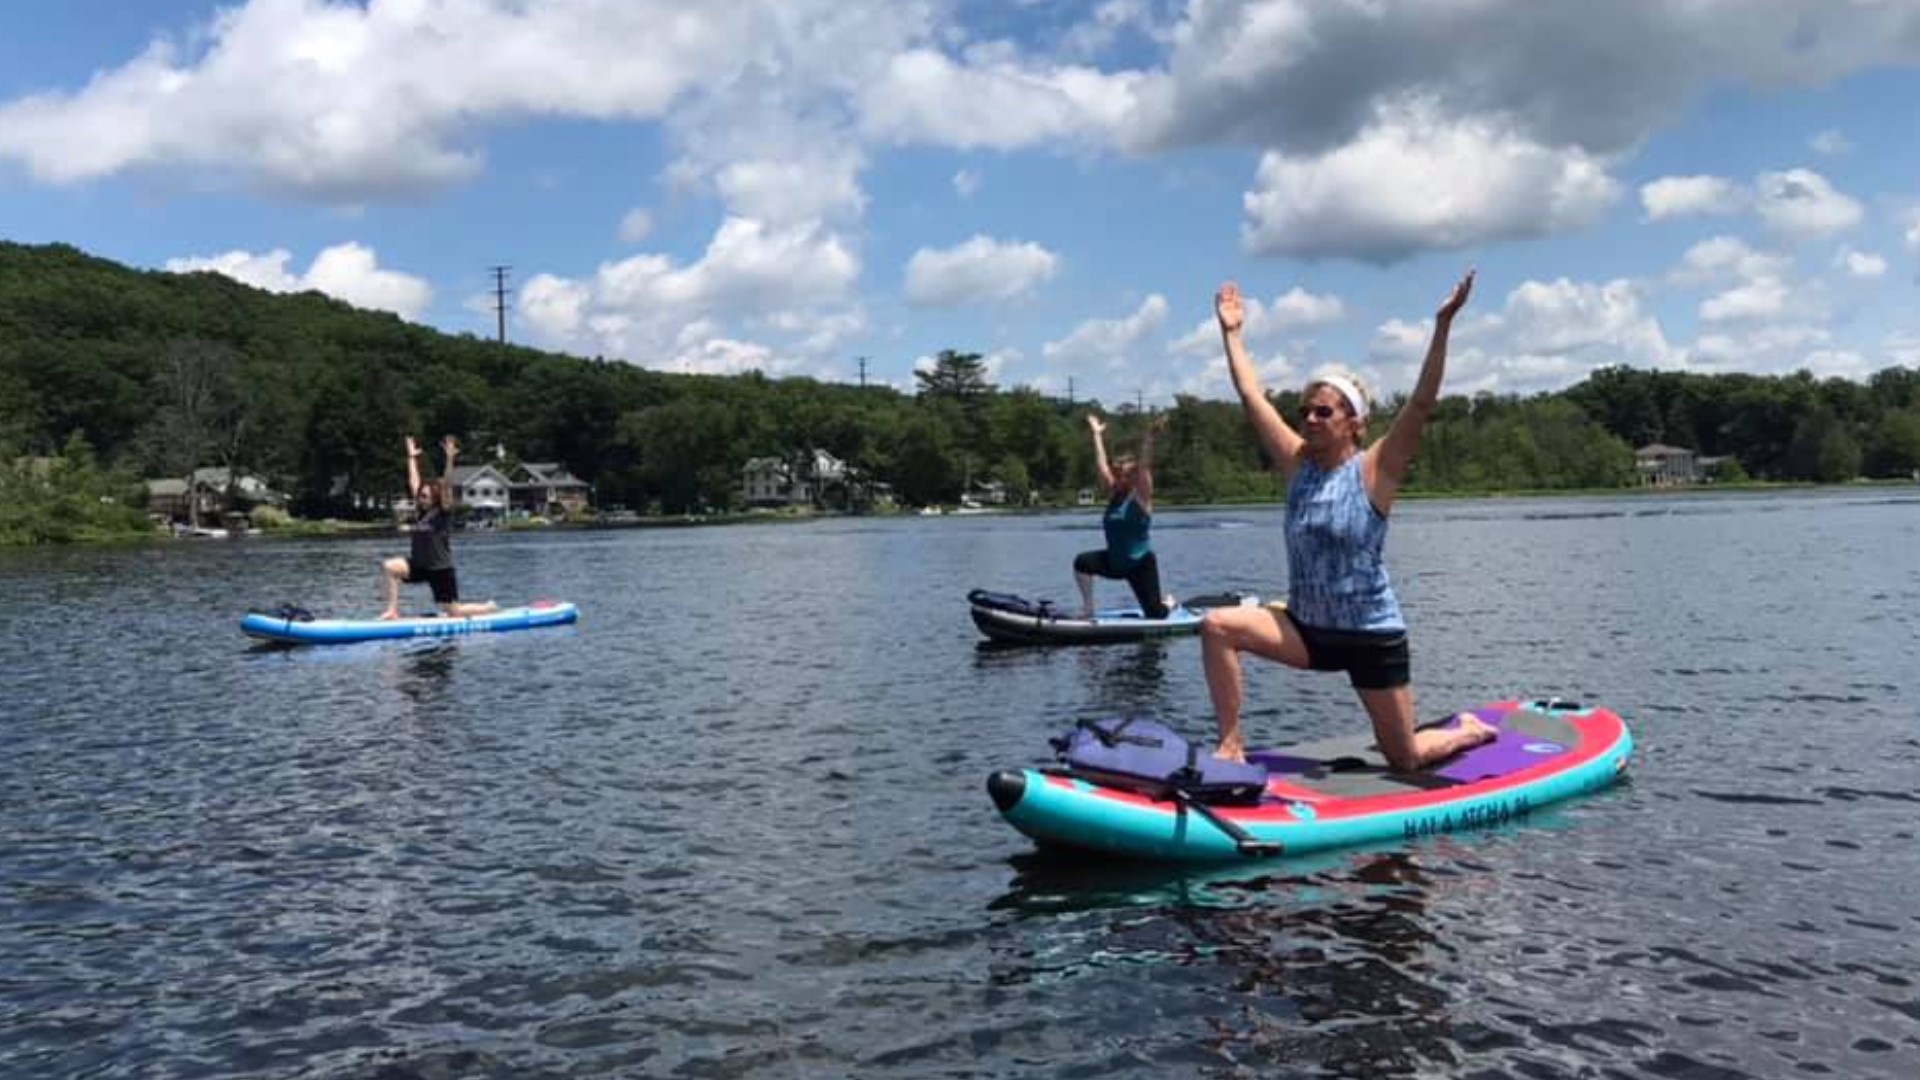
x=1557, y=704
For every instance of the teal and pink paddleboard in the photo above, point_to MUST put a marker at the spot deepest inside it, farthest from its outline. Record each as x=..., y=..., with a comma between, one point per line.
x=1335, y=792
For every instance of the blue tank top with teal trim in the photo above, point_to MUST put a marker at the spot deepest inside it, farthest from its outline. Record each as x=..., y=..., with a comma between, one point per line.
x=1126, y=525
x=1336, y=576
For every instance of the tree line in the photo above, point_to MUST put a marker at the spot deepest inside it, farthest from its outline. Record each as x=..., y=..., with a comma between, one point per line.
x=120, y=373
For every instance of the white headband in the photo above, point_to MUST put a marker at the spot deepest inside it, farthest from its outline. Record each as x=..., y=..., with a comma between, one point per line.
x=1349, y=391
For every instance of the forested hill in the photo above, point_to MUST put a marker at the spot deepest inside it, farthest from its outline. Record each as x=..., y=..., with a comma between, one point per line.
x=159, y=372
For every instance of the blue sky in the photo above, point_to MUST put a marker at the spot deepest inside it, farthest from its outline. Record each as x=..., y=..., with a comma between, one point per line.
x=789, y=185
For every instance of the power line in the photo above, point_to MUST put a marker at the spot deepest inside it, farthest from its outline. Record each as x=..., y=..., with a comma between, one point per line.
x=500, y=301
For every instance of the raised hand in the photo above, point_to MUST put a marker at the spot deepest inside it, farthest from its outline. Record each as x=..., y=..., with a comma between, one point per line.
x=1227, y=308
x=1453, y=303
x=451, y=445
x=1095, y=423
x=413, y=448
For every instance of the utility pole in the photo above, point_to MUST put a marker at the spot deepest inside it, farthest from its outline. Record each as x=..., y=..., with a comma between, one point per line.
x=1140, y=402
x=500, y=300
x=863, y=373
x=1069, y=393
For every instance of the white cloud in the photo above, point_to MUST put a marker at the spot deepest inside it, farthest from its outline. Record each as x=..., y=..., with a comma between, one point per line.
x=1683, y=196
x=265, y=271
x=792, y=190
x=1727, y=258
x=1418, y=182
x=635, y=225
x=343, y=102
x=966, y=183
x=979, y=271
x=349, y=272
x=1562, y=316
x=1110, y=341
x=1802, y=203
x=1546, y=335
x=1913, y=229
x=1264, y=322
x=1861, y=264
x=1298, y=307
x=1761, y=298
x=724, y=356
x=1902, y=348
x=1110, y=22
x=1303, y=76
x=792, y=284
x=555, y=307
x=992, y=101
x=1830, y=142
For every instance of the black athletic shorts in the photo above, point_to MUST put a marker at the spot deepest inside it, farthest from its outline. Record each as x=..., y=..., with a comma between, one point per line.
x=446, y=587
x=1143, y=576
x=1373, y=660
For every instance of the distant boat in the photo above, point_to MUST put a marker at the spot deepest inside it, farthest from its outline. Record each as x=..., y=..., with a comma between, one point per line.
x=931, y=511
x=971, y=505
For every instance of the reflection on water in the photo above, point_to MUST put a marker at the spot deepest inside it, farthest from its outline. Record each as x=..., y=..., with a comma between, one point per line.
x=732, y=824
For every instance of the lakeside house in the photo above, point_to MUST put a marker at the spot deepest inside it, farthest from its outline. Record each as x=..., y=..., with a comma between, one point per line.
x=489, y=492
x=814, y=479
x=1660, y=465
x=547, y=489
x=481, y=490
x=209, y=494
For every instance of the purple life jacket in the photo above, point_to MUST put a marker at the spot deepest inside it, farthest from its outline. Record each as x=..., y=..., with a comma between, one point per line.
x=1152, y=759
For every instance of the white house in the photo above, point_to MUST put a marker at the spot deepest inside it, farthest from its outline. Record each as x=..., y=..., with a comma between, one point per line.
x=482, y=488
x=1660, y=465
x=769, y=481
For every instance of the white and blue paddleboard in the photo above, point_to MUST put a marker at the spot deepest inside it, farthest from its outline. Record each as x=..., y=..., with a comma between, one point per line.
x=289, y=627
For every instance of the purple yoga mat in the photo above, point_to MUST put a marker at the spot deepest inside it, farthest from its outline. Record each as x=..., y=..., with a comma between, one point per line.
x=1511, y=752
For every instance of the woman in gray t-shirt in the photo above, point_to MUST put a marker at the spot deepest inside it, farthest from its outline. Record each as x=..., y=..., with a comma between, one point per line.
x=430, y=559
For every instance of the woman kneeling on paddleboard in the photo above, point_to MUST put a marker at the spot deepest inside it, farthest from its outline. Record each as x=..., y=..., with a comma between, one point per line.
x=1129, y=552
x=431, y=559
x=1341, y=614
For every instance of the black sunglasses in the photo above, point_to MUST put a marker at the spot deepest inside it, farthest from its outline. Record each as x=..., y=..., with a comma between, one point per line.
x=1318, y=412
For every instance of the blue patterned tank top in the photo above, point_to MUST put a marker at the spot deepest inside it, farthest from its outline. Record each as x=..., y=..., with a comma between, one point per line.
x=1126, y=526
x=1336, y=577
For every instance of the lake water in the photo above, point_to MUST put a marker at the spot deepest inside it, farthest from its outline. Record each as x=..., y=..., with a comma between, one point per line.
x=734, y=824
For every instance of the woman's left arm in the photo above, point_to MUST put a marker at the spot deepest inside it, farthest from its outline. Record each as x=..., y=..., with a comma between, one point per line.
x=452, y=447
x=1143, y=469
x=1387, y=462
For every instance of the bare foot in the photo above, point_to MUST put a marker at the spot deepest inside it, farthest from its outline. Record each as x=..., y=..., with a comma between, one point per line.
x=487, y=606
x=1475, y=731
x=1231, y=752
x=389, y=614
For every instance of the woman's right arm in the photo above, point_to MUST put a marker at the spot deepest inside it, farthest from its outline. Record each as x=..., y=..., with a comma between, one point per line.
x=413, y=468
x=1100, y=451
x=1281, y=442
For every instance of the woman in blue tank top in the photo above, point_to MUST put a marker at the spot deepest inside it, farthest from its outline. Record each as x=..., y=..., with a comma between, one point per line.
x=1128, y=519
x=1341, y=614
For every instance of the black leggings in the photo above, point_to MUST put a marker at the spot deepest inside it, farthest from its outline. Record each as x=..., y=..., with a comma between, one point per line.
x=1144, y=576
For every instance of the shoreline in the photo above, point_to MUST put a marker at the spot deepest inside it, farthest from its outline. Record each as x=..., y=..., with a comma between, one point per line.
x=331, y=529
